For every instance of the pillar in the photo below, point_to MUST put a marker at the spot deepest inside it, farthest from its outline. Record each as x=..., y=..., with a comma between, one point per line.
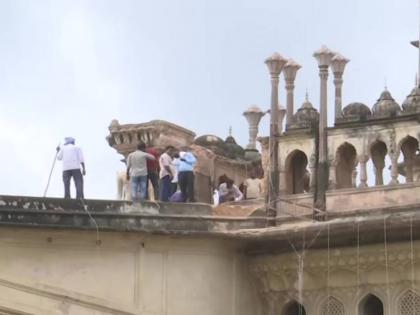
x=363, y=171
x=338, y=63
x=275, y=64
x=332, y=183
x=394, y=168
x=323, y=56
x=253, y=116
x=290, y=70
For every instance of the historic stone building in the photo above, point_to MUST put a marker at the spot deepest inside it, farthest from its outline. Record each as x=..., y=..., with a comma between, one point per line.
x=335, y=245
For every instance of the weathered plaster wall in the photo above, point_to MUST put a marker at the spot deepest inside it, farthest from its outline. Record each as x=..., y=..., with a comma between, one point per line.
x=65, y=272
x=377, y=197
x=347, y=275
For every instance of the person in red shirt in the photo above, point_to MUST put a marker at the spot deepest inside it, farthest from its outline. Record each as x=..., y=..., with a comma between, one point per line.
x=153, y=173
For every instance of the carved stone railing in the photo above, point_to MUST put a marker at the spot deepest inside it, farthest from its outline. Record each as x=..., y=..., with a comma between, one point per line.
x=156, y=133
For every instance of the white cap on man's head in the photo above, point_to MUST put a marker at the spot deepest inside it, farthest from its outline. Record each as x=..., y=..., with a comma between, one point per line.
x=69, y=140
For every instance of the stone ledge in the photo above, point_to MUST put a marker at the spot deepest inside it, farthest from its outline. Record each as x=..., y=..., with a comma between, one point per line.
x=159, y=218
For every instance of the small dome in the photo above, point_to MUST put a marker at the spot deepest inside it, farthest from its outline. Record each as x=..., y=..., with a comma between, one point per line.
x=208, y=140
x=411, y=104
x=305, y=116
x=231, y=140
x=356, y=111
x=227, y=148
x=386, y=106
x=233, y=150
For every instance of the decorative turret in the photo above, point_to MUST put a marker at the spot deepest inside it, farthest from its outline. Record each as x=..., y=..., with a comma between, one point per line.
x=411, y=104
x=253, y=116
x=355, y=112
x=305, y=117
x=386, y=106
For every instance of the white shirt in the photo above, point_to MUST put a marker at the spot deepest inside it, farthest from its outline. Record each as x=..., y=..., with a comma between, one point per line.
x=71, y=156
x=174, y=170
x=234, y=191
x=164, y=160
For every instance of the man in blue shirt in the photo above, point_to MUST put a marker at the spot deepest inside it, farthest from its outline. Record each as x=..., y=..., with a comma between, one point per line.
x=185, y=166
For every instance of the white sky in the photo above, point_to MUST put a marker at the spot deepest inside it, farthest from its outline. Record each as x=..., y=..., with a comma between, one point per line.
x=70, y=67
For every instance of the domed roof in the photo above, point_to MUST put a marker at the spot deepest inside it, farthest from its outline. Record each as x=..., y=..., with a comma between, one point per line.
x=232, y=149
x=356, y=111
x=227, y=148
x=305, y=116
x=386, y=106
x=208, y=139
x=412, y=102
x=230, y=139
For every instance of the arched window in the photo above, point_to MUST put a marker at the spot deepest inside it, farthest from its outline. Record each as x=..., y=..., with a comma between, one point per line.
x=378, y=152
x=371, y=305
x=297, y=175
x=332, y=306
x=346, y=163
x=293, y=308
x=409, y=304
x=409, y=148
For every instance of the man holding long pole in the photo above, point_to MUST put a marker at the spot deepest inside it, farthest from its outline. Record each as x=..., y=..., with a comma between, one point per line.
x=72, y=158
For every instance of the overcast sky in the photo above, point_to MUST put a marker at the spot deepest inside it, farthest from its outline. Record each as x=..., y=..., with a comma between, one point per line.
x=70, y=67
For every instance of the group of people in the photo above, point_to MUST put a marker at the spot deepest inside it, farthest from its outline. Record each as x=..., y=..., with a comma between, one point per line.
x=170, y=173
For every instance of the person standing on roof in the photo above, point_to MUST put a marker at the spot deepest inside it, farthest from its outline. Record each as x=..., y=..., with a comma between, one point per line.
x=186, y=165
x=153, y=173
x=137, y=171
x=166, y=175
x=72, y=158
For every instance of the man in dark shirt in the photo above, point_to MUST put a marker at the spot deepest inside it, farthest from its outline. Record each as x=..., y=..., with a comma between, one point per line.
x=153, y=173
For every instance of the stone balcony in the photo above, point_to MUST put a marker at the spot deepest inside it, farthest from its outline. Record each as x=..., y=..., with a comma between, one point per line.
x=156, y=133
x=353, y=201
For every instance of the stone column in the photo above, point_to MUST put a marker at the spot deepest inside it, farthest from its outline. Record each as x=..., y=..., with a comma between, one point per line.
x=416, y=168
x=394, y=168
x=323, y=57
x=332, y=183
x=363, y=171
x=312, y=168
x=409, y=153
x=275, y=64
x=290, y=70
x=353, y=178
x=378, y=165
x=253, y=116
x=408, y=161
x=338, y=64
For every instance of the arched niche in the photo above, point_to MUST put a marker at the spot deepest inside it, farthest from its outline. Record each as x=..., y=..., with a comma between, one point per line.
x=293, y=308
x=332, y=306
x=371, y=305
x=378, y=152
x=409, y=148
x=409, y=303
x=346, y=161
x=297, y=175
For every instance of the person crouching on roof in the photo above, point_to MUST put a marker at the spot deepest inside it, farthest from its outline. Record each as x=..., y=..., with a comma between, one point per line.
x=72, y=158
x=228, y=191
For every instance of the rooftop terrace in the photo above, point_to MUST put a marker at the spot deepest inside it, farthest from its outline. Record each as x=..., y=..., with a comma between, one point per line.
x=259, y=233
